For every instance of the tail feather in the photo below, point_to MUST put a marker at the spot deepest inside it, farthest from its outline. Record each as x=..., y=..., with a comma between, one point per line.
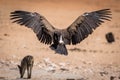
x=61, y=49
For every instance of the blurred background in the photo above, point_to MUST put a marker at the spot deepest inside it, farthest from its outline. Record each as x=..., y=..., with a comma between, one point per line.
x=17, y=41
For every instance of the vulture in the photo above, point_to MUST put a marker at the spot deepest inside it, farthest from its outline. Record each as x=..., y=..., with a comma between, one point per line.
x=46, y=33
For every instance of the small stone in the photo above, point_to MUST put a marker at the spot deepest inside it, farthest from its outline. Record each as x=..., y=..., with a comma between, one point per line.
x=64, y=69
x=50, y=69
x=62, y=64
x=112, y=77
x=6, y=34
x=103, y=73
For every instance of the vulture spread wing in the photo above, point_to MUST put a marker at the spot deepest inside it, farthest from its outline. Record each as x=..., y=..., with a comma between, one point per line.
x=85, y=24
x=74, y=34
x=42, y=28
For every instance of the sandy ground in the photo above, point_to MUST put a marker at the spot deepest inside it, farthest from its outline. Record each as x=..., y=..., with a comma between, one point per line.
x=92, y=59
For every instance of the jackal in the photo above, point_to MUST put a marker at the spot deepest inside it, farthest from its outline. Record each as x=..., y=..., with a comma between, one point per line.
x=26, y=63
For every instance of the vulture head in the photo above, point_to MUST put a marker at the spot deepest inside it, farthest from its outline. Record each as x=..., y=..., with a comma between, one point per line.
x=57, y=38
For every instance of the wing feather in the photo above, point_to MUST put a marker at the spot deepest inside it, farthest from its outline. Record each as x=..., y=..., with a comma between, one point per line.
x=43, y=29
x=86, y=23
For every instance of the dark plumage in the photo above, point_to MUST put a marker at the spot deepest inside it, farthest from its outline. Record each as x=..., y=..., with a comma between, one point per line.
x=74, y=34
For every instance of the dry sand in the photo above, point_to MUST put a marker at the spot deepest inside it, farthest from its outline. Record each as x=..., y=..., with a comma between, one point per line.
x=92, y=59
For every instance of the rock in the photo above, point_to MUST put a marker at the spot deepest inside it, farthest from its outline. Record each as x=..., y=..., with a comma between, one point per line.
x=13, y=63
x=119, y=77
x=41, y=66
x=62, y=64
x=2, y=61
x=50, y=69
x=112, y=77
x=49, y=63
x=110, y=37
x=6, y=34
x=5, y=63
x=2, y=78
x=77, y=68
x=64, y=69
x=103, y=73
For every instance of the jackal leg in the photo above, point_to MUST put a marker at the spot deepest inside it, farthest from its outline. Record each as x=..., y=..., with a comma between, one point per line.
x=28, y=72
x=23, y=71
x=29, y=69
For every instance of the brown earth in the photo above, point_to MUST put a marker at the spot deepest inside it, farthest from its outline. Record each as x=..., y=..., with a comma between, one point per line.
x=92, y=59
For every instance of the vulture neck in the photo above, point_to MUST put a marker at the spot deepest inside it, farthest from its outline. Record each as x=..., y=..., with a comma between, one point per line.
x=61, y=40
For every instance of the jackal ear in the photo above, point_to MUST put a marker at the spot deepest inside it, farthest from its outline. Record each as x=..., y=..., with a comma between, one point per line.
x=19, y=66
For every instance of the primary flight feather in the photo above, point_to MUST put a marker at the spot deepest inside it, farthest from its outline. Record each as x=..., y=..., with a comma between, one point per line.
x=58, y=38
